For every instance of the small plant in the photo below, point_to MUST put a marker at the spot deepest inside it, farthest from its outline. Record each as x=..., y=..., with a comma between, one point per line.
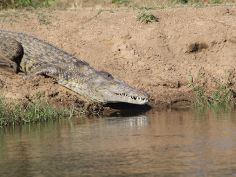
x=195, y=3
x=201, y=100
x=146, y=16
x=216, y=1
x=181, y=1
x=221, y=98
x=47, y=3
x=25, y=3
x=146, y=8
x=120, y=1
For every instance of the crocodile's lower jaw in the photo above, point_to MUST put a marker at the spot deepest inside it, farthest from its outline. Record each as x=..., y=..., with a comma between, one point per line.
x=130, y=100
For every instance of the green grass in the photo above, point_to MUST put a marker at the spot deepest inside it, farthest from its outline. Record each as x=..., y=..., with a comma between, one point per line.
x=216, y=1
x=220, y=99
x=120, y=2
x=146, y=16
x=33, y=3
x=25, y=3
x=180, y=1
x=32, y=112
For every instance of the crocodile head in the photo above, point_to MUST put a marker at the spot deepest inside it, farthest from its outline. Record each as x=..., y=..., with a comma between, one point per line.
x=111, y=90
x=102, y=87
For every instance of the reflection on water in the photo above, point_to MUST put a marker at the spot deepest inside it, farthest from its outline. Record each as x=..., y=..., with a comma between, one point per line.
x=157, y=144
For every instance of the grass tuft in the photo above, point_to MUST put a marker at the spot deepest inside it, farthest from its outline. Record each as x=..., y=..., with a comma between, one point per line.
x=32, y=3
x=145, y=16
x=216, y=1
x=32, y=112
x=180, y=1
x=196, y=2
x=120, y=2
x=220, y=99
x=25, y=3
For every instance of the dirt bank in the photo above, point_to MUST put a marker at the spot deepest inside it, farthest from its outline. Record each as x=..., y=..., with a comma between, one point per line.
x=161, y=58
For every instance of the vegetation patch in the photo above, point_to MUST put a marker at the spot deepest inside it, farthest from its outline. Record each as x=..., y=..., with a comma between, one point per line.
x=146, y=16
x=31, y=112
x=196, y=2
x=216, y=1
x=180, y=1
x=120, y=2
x=219, y=99
x=25, y=3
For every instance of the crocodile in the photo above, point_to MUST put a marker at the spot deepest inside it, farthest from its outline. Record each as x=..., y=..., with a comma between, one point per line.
x=33, y=56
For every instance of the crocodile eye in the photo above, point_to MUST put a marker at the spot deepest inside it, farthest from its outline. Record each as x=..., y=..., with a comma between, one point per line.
x=106, y=74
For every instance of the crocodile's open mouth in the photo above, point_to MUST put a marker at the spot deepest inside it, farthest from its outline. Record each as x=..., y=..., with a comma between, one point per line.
x=135, y=98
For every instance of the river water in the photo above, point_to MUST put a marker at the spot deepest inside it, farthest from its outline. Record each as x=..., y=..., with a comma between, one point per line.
x=162, y=144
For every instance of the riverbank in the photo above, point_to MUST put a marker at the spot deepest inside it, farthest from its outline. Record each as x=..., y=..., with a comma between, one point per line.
x=185, y=45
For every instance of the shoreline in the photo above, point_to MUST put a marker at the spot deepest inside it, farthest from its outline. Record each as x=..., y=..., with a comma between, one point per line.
x=160, y=58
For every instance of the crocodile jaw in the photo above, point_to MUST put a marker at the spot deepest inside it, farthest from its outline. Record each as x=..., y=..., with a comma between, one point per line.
x=127, y=99
x=114, y=91
x=126, y=95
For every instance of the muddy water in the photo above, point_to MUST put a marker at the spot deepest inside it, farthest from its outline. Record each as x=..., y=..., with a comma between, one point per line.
x=157, y=144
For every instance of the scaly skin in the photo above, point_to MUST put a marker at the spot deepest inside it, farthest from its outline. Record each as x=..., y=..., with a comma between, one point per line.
x=34, y=56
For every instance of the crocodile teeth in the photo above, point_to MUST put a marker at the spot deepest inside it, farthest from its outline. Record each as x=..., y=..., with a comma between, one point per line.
x=132, y=97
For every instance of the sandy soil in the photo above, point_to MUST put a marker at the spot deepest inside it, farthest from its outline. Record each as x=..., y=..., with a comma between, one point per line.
x=160, y=58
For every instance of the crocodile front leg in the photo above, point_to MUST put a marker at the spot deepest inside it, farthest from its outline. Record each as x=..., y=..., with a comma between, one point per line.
x=11, y=53
x=8, y=63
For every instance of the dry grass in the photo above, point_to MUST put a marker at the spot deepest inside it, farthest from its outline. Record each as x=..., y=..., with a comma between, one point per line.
x=76, y=4
x=138, y=3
